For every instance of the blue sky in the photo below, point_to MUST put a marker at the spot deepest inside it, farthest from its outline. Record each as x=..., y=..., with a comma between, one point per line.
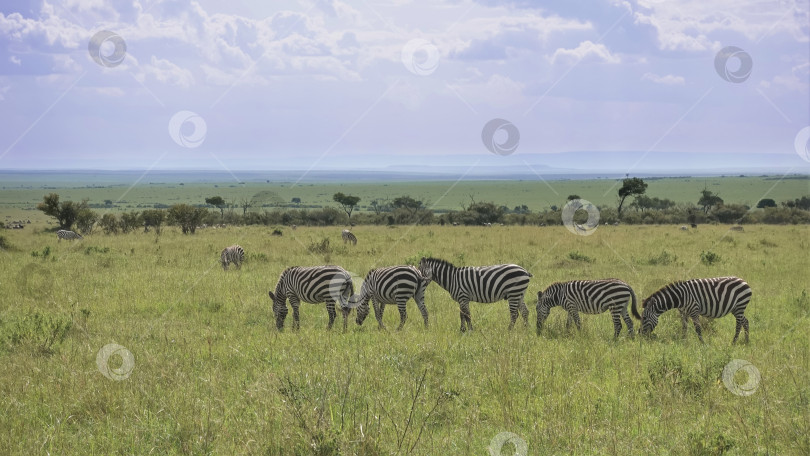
x=300, y=84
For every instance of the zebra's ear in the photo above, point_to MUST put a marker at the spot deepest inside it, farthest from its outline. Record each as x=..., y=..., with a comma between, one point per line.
x=539, y=295
x=272, y=296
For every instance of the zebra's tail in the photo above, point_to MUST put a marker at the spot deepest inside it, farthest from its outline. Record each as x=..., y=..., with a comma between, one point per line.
x=633, y=305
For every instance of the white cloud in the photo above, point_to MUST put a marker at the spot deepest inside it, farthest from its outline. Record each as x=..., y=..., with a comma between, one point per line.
x=497, y=91
x=796, y=81
x=166, y=72
x=15, y=60
x=587, y=51
x=669, y=79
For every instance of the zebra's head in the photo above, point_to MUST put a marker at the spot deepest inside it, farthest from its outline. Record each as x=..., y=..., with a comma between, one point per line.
x=426, y=268
x=649, y=316
x=360, y=301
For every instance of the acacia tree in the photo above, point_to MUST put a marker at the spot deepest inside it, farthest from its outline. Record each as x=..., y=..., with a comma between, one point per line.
x=219, y=202
x=154, y=218
x=708, y=199
x=347, y=203
x=187, y=217
x=65, y=212
x=632, y=186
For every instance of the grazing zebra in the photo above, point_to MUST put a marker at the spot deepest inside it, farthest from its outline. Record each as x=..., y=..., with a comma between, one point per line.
x=737, y=228
x=694, y=225
x=348, y=236
x=480, y=284
x=712, y=298
x=684, y=228
x=590, y=297
x=391, y=285
x=68, y=235
x=233, y=254
x=313, y=285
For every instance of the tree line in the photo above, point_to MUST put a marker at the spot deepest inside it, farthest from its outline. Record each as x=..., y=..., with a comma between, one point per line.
x=642, y=209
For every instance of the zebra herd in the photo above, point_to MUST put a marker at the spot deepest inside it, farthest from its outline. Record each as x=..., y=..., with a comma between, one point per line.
x=712, y=297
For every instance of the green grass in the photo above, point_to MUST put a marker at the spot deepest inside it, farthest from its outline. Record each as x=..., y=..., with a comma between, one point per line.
x=212, y=375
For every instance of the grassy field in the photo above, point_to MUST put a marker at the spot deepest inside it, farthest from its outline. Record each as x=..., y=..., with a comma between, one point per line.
x=538, y=195
x=209, y=373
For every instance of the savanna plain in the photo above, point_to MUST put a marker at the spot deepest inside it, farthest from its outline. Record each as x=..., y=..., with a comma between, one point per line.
x=201, y=368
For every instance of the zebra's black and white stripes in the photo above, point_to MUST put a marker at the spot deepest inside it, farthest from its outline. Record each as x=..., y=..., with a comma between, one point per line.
x=232, y=255
x=329, y=284
x=391, y=285
x=712, y=298
x=348, y=236
x=67, y=235
x=590, y=297
x=480, y=284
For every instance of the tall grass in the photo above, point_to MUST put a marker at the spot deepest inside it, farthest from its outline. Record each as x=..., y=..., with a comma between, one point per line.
x=212, y=375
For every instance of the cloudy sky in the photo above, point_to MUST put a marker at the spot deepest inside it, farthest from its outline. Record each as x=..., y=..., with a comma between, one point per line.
x=297, y=84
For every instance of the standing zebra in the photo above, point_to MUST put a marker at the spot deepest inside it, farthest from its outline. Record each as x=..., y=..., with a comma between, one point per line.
x=590, y=297
x=67, y=235
x=391, y=285
x=313, y=285
x=233, y=254
x=713, y=298
x=480, y=284
x=348, y=236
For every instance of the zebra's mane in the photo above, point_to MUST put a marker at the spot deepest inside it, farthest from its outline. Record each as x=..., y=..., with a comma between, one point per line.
x=666, y=287
x=441, y=262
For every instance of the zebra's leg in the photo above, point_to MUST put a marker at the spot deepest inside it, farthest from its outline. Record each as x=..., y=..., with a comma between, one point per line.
x=403, y=313
x=513, y=313
x=627, y=321
x=420, y=302
x=742, y=322
x=464, y=313
x=617, y=322
x=378, y=312
x=524, y=312
x=330, y=309
x=573, y=314
x=684, y=320
x=696, y=320
x=294, y=303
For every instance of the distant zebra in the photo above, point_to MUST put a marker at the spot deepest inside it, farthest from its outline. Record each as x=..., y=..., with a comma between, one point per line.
x=233, y=254
x=480, y=284
x=684, y=228
x=737, y=228
x=391, y=285
x=712, y=298
x=67, y=235
x=348, y=236
x=313, y=285
x=590, y=297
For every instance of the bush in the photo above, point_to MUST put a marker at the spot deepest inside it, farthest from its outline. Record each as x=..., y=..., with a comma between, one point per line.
x=576, y=256
x=4, y=244
x=41, y=331
x=664, y=258
x=709, y=258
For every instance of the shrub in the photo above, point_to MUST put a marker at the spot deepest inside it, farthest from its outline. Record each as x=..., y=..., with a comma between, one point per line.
x=709, y=258
x=41, y=331
x=576, y=256
x=664, y=258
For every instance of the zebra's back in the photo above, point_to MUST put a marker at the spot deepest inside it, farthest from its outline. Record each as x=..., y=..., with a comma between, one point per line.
x=386, y=284
x=492, y=283
x=717, y=296
x=597, y=296
x=315, y=284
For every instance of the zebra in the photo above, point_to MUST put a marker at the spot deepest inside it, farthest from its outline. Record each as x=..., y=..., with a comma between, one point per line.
x=348, y=236
x=391, y=285
x=233, y=254
x=480, y=284
x=313, y=285
x=712, y=298
x=588, y=296
x=68, y=235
